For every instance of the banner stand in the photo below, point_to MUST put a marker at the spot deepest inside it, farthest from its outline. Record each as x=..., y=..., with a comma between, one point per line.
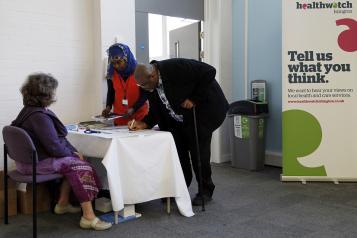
x=305, y=179
x=319, y=90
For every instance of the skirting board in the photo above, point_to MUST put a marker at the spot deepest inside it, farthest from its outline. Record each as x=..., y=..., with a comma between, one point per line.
x=273, y=158
x=226, y=158
x=305, y=179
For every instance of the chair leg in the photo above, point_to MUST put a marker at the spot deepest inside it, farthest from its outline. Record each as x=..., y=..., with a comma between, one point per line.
x=53, y=187
x=34, y=209
x=34, y=197
x=168, y=206
x=6, y=198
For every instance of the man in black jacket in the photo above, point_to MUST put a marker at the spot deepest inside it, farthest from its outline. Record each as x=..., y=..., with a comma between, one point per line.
x=178, y=85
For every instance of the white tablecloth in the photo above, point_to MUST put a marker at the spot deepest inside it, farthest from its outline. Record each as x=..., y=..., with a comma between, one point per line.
x=141, y=166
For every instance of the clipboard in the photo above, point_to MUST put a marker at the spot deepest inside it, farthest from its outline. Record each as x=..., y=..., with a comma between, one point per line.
x=111, y=116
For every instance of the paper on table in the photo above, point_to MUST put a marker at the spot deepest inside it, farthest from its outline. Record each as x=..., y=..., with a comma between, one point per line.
x=115, y=128
x=123, y=131
x=92, y=124
x=111, y=116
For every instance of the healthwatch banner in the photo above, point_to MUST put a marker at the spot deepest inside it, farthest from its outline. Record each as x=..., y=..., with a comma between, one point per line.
x=319, y=89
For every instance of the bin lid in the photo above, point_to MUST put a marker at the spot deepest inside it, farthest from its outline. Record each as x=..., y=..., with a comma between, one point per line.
x=248, y=107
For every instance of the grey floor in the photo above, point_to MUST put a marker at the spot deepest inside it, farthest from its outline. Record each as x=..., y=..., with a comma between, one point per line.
x=246, y=204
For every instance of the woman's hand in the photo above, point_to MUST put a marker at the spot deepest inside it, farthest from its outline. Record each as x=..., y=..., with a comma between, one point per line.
x=106, y=111
x=134, y=125
x=80, y=156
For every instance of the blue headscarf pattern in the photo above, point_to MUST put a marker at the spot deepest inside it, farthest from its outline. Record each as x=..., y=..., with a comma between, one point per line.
x=121, y=50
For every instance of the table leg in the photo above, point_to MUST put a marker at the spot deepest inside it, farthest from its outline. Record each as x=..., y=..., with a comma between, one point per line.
x=168, y=206
x=116, y=214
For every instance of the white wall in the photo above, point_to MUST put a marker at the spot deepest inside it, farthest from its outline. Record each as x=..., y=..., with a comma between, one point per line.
x=257, y=55
x=50, y=36
x=217, y=46
x=53, y=37
x=66, y=38
x=117, y=25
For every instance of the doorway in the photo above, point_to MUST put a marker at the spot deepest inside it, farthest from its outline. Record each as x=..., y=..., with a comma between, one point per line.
x=173, y=37
x=166, y=16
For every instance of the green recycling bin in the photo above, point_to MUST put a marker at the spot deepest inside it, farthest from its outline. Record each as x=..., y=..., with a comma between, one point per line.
x=247, y=139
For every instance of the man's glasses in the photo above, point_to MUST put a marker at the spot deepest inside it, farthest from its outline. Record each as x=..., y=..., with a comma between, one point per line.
x=143, y=85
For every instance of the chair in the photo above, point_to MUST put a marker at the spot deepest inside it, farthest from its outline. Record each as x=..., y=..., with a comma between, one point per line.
x=19, y=146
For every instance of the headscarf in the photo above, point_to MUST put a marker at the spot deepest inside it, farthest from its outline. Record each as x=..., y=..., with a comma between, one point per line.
x=121, y=50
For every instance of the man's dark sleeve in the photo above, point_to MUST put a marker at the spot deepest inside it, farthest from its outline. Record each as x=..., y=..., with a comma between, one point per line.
x=110, y=93
x=142, y=99
x=152, y=118
x=203, y=74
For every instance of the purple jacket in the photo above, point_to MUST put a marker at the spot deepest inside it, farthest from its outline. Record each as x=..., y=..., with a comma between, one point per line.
x=47, y=132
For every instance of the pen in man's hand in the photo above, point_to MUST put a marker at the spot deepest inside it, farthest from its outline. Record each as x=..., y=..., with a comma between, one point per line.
x=132, y=123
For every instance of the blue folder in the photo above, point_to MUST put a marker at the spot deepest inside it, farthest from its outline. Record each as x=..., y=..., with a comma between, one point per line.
x=109, y=217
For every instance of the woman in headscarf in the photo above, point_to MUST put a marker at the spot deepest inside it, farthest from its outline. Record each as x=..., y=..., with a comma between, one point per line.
x=55, y=153
x=123, y=92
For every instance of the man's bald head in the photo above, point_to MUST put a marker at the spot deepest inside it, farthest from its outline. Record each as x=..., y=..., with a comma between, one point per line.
x=146, y=76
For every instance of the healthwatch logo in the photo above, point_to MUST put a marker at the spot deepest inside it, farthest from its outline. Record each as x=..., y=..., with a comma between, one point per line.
x=324, y=5
x=347, y=39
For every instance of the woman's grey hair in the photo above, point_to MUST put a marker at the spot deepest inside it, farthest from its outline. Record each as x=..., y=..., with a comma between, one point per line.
x=39, y=90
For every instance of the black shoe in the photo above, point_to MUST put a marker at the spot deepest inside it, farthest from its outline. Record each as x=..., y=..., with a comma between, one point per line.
x=197, y=200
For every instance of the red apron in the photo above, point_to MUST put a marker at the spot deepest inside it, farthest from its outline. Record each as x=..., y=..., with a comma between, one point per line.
x=131, y=91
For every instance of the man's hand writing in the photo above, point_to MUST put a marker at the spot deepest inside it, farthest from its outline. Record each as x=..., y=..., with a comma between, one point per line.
x=134, y=125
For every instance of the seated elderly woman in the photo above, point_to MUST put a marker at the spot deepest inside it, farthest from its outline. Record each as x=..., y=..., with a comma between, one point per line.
x=55, y=153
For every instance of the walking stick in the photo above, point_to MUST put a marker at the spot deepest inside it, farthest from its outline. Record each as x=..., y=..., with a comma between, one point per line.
x=200, y=188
